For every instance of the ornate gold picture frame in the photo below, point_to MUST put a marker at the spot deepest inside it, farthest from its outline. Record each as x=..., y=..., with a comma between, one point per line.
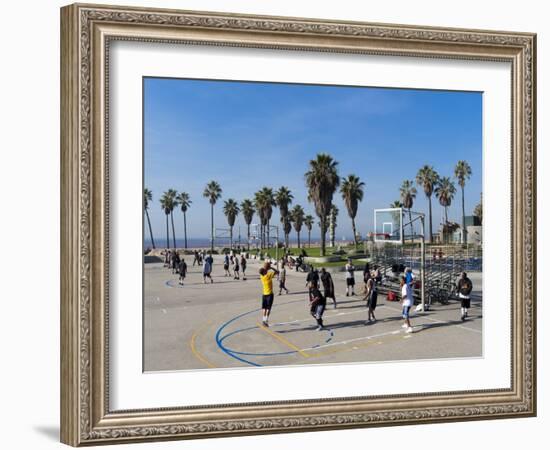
x=87, y=31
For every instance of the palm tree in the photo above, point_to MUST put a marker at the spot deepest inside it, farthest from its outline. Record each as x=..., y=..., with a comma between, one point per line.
x=352, y=193
x=478, y=210
x=260, y=205
x=463, y=171
x=308, y=222
x=332, y=224
x=184, y=201
x=408, y=194
x=269, y=203
x=297, y=217
x=427, y=177
x=283, y=198
x=212, y=192
x=148, y=198
x=166, y=205
x=287, y=228
x=445, y=192
x=264, y=201
x=322, y=180
x=395, y=214
x=170, y=203
x=231, y=210
x=247, y=208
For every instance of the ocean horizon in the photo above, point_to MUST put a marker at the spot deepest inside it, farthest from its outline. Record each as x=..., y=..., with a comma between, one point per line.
x=205, y=242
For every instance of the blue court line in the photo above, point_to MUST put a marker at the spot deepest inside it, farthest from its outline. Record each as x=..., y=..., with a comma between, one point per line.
x=230, y=352
x=248, y=353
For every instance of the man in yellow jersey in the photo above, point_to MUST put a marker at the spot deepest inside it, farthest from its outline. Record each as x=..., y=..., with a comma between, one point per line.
x=266, y=276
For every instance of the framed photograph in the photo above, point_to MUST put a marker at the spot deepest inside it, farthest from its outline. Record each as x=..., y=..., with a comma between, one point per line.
x=276, y=224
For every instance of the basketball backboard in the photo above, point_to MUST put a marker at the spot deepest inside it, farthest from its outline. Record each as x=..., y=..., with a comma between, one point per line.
x=388, y=225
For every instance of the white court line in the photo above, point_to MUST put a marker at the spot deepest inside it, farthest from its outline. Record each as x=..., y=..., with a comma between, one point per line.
x=438, y=321
x=333, y=315
x=353, y=340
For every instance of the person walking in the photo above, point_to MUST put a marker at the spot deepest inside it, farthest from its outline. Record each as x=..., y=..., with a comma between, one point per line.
x=282, y=279
x=350, y=278
x=407, y=302
x=409, y=276
x=366, y=273
x=266, y=276
x=464, y=288
x=182, y=270
x=196, y=258
x=317, y=305
x=226, y=272
x=236, y=268
x=175, y=262
x=207, y=268
x=328, y=286
x=243, y=266
x=312, y=279
x=377, y=275
x=372, y=298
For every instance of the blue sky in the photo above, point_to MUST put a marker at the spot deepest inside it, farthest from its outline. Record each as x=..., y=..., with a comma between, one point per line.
x=247, y=135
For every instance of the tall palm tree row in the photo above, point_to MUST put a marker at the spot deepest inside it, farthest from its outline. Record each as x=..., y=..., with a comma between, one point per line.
x=428, y=178
x=333, y=224
x=352, y=194
x=463, y=171
x=148, y=198
x=408, y=194
x=184, y=202
x=213, y=193
x=283, y=198
x=247, y=209
x=445, y=192
x=297, y=216
x=308, y=222
x=231, y=210
x=322, y=181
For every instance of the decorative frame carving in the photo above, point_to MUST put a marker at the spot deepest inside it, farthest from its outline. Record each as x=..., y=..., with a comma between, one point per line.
x=86, y=31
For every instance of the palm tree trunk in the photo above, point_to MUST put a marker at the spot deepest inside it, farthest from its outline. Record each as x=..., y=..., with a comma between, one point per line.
x=463, y=219
x=231, y=238
x=309, y=238
x=173, y=229
x=212, y=227
x=167, y=233
x=248, y=236
x=430, y=214
x=354, y=233
x=410, y=222
x=298, y=233
x=185, y=228
x=267, y=233
x=150, y=230
x=323, y=237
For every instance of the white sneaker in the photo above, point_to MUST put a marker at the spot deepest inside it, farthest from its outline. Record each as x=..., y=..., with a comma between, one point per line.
x=404, y=325
x=409, y=330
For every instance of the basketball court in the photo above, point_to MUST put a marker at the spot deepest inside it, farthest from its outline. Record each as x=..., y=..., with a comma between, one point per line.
x=201, y=326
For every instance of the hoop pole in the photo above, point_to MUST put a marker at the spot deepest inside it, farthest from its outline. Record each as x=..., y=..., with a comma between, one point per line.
x=422, y=265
